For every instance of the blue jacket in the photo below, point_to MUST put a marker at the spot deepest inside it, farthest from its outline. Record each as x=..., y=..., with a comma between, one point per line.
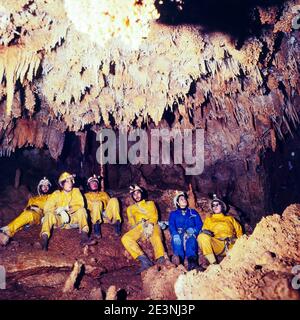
x=179, y=223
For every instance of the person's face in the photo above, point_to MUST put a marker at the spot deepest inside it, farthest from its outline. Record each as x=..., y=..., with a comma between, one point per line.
x=137, y=196
x=68, y=185
x=216, y=207
x=93, y=185
x=45, y=188
x=182, y=201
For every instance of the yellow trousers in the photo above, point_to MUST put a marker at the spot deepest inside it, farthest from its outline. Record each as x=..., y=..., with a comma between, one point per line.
x=210, y=245
x=112, y=211
x=131, y=238
x=26, y=217
x=53, y=220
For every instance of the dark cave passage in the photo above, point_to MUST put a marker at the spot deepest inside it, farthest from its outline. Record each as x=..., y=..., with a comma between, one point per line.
x=283, y=172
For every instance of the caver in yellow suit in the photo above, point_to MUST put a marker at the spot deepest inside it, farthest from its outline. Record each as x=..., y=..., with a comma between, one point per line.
x=143, y=217
x=219, y=232
x=32, y=215
x=65, y=209
x=102, y=208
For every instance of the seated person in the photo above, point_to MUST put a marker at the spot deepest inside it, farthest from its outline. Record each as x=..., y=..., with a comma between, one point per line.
x=184, y=225
x=102, y=208
x=219, y=232
x=143, y=218
x=32, y=215
x=65, y=209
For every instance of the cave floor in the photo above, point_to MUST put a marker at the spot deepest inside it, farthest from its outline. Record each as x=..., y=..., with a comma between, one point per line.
x=34, y=274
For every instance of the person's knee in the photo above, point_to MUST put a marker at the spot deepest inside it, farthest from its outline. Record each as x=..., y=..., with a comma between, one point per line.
x=191, y=243
x=156, y=237
x=125, y=239
x=48, y=218
x=82, y=212
x=114, y=201
x=204, y=237
x=29, y=215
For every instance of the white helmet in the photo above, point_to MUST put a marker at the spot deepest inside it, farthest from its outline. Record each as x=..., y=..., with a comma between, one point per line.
x=43, y=182
x=179, y=194
x=64, y=176
x=134, y=188
x=94, y=178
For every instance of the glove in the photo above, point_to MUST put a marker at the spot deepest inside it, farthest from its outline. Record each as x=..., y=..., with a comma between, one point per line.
x=163, y=224
x=63, y=213
x=148, y=229
x=177, y=240
x=190, y=231
x=208, y=232
x=60, y=209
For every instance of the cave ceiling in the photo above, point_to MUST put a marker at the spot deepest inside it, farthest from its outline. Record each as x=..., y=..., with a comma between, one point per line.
x=64, y=67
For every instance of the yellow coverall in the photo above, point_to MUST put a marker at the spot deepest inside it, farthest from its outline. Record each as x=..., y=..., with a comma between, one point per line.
x=98, y=202
x=223, y=227
x=148, y=211
x=33, y=214
x=78, y=215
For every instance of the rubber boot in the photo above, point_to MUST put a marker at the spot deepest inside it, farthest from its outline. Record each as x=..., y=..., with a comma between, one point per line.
x=192, y=263
x=85, y=240
x=97, y=230
x=145, y=263
x=118, y=228
x=211, y=258
x=4, y=238
x=44, y=242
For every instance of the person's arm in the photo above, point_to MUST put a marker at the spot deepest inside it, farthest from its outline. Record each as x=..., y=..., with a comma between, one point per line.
x=152, y=213
x=198, y=223
x=51, y=203
x=237, y=227
x=77, y=201
x=206, y=224
x=172, y=225
x=130, y=216
x=206, y=228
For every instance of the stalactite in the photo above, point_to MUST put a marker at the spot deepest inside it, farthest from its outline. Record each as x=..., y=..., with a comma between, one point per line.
x=29, y=100
x=17, y=64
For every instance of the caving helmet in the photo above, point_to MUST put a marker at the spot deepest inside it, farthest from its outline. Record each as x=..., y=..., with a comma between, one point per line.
x=135, y=187
x=43, y=182
x=64, y=176
x=176, y=198
x=215, y=199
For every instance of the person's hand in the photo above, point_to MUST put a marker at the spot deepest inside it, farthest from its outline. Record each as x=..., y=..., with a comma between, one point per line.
x=190, y=231
x=177, y=240
x=148, y=229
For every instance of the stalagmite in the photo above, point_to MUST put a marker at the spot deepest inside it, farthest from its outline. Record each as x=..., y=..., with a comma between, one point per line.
x=70, y=282
x=111, y=293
